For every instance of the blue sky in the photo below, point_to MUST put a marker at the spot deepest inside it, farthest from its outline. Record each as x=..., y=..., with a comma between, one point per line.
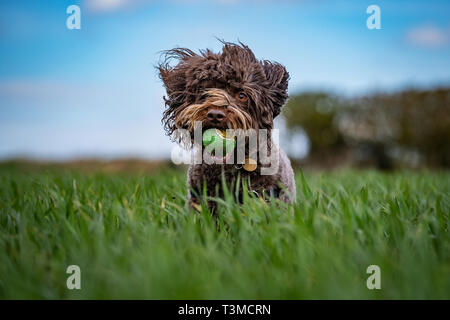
x=94, y=92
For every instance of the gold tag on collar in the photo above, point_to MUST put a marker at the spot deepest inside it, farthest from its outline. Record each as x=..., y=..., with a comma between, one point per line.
x=250, y=164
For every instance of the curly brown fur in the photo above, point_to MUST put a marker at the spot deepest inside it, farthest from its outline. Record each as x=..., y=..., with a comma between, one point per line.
x=248, y=92
x=237, y=119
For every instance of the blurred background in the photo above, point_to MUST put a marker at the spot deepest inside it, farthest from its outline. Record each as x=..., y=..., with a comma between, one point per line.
x=358, y=97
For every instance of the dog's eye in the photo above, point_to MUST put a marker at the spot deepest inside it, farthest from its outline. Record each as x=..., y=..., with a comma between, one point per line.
x=241, y=96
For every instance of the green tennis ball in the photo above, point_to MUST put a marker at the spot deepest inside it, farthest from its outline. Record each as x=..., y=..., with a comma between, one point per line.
x=214, y=139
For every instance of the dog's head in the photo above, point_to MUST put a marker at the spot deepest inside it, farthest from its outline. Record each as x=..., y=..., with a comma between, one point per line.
x=227, y=90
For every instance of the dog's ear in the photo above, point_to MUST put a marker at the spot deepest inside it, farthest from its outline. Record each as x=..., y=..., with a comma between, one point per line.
x=174, y=77
x=277, y=79
x=175, y=82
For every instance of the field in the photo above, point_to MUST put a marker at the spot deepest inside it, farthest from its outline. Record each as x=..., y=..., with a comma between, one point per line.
x=133, y=238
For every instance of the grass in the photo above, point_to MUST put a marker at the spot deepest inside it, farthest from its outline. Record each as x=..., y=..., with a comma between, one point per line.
x=133, y=237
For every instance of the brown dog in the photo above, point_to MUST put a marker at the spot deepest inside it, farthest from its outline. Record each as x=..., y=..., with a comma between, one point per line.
x=228, y=90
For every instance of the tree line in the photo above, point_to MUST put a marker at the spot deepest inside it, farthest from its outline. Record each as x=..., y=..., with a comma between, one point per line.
x=387, y=130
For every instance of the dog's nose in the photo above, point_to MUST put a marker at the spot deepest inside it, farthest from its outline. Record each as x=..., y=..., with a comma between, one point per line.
x=215, y=116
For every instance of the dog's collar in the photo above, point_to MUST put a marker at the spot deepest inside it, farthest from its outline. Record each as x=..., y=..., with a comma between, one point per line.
x=250, y=165
x=267, y=194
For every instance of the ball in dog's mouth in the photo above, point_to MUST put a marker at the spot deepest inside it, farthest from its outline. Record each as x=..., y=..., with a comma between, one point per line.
x=218, y=146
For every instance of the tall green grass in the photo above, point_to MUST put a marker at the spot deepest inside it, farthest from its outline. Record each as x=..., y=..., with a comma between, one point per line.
x=133, y=238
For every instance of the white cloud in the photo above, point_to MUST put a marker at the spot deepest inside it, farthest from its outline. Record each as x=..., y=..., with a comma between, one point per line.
x=428, y=36
x=104, y=6
x=101, y=6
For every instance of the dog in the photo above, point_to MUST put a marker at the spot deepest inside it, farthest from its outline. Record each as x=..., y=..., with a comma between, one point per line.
x=228, y=90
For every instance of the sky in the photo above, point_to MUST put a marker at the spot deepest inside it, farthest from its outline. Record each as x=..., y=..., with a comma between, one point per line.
x=94, y=92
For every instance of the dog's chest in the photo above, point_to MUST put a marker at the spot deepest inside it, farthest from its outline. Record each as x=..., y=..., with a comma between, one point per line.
x=212, y=176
